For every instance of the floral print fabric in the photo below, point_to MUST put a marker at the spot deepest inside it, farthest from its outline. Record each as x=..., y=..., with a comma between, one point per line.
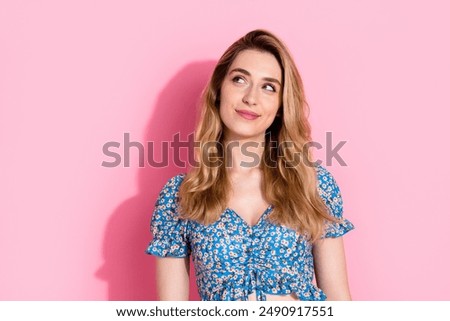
x=233, y=259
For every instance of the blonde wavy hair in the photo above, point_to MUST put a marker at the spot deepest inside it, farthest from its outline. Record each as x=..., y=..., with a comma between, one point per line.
x=289, y=176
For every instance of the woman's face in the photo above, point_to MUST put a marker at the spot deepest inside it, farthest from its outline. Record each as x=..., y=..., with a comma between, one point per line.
x=250, y=95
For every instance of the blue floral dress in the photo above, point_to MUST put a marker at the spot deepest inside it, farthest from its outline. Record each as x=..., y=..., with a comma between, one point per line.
x=233, y=259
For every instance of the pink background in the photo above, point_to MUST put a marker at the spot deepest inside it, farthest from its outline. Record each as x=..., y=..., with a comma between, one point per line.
x=77, y=74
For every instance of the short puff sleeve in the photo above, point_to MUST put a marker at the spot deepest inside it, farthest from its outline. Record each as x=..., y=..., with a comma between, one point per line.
x=168, y=229
x=331, y=195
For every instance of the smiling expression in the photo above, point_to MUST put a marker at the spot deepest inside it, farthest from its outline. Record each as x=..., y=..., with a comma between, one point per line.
x=250, y=95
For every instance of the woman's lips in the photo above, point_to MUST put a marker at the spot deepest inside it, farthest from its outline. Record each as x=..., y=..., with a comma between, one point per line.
x=247, y=114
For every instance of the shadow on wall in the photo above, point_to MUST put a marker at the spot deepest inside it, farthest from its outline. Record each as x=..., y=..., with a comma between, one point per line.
x=129, y=271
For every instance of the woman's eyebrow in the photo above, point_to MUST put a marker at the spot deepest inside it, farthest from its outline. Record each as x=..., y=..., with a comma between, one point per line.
x=245, y=72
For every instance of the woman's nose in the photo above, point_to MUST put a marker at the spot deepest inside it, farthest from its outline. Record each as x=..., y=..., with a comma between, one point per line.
x=250, y=96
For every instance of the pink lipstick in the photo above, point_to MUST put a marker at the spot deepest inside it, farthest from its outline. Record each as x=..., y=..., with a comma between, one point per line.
x=247, y=114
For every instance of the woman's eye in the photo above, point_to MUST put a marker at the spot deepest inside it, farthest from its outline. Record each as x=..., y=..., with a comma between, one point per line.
x=270, y=87
x=238, y=79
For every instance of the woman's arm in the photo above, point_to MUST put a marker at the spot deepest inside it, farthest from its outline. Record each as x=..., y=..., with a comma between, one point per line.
x=330, y=268
x=172, y=276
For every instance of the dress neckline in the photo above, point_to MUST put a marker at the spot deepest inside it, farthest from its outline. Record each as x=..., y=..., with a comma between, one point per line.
x=265, y=213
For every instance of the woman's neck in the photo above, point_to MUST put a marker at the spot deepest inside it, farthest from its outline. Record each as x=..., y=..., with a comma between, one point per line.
x=243, y=156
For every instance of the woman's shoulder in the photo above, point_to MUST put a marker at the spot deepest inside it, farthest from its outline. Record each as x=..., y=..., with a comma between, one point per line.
x=326, y=183
x=324, y=176
x=176, y=179
x=168, y=195
x=172, y=184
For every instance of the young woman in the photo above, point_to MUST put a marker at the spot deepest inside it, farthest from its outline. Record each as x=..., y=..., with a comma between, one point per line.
x=258, y=216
